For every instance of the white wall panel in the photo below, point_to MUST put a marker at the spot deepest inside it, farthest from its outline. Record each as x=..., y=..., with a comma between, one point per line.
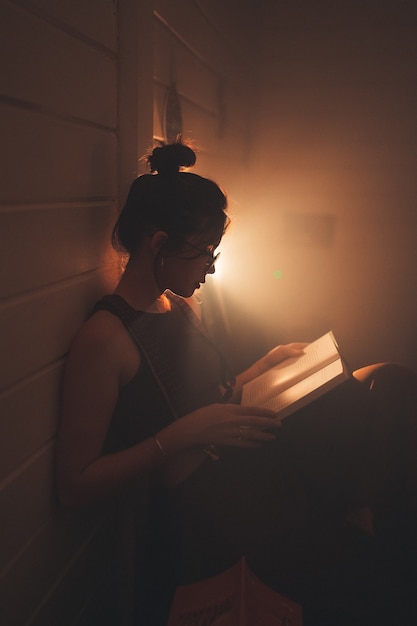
x=213, y=77
x=175, y=63
x=27, y=497
x=59, y=155
x=36, y=329
x=56, y=558
x=46, y=244
x=56, y=71
x=94, y=19
x=29, y=416
x=46, y=159
x=213, y=42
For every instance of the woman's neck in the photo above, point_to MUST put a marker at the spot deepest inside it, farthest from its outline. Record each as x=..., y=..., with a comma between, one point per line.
x=139, y=288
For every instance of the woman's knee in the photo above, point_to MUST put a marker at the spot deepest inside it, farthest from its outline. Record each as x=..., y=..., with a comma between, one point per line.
x=391, y=382
x=389, y=378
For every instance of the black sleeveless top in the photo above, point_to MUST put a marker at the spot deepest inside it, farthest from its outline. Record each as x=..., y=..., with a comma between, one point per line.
x=181, y=370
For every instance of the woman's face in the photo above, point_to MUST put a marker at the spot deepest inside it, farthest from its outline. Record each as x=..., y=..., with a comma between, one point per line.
x=185, y=271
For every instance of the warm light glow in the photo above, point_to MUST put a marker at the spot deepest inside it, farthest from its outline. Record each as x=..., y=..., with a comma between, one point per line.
x=224, y=264
x=323, y=222
x=218, y=273
x=270, y=274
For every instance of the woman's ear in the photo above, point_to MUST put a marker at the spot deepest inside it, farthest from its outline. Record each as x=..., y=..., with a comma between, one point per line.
x=158, y=240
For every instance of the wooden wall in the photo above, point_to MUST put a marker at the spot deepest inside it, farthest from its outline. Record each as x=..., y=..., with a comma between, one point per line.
x=202, y=48
x=59, y=146
x=78, y=84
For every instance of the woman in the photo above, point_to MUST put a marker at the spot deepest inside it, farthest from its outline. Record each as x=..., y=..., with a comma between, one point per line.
x=146, y=393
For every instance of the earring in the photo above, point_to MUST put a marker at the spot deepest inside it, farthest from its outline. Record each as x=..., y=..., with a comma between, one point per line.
x=161, y=262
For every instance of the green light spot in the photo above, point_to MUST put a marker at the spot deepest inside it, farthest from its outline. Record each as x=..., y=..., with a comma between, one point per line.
x=277, y=274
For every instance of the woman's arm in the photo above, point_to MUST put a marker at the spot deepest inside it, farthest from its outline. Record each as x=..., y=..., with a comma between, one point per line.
x=97, y=366
x=94, y=372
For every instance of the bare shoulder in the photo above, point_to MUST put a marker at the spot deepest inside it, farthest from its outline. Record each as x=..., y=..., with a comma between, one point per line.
x=104, y=342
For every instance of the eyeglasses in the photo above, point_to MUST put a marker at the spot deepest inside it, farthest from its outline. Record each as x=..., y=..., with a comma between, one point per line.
x=212, y=258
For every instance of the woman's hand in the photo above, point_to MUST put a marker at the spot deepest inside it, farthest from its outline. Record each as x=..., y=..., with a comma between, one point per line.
x=224, y=425
x=281, y=353
x=273, y=357
x=188, y=441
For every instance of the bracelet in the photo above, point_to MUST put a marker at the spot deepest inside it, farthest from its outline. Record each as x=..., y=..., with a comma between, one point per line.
x=212, y=453
x=159, y=445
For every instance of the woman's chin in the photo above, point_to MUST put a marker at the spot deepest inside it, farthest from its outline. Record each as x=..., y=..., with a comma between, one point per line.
x=186, y=293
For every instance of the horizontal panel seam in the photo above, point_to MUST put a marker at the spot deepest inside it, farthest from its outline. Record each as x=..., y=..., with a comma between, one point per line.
x=27, y=380
x=65, y=28
x=58, y=205
x=18, y=471
x=32, y=107
x=194, y=103
x=185, y=43
x=31, y=294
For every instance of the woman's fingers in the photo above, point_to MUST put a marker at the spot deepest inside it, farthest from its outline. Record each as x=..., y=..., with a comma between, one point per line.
x=235, y=425
x=250, y=438
x=282, y=352
x=256, y=411
x=255, y=417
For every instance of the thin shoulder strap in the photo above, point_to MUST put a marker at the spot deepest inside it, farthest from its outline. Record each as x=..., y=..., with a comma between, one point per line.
x=140, y=328
x=132, y=319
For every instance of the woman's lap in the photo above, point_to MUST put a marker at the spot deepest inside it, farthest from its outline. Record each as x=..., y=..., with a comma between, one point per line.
x=284, y=506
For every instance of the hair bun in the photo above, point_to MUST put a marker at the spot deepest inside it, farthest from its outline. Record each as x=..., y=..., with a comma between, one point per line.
x=170, y=158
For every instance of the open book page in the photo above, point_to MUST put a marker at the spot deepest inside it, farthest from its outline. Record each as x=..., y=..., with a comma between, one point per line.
x=305, y=390
x=316, y=355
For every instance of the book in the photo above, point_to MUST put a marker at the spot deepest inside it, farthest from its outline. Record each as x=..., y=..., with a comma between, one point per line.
x=297, y=381
x=235, y=597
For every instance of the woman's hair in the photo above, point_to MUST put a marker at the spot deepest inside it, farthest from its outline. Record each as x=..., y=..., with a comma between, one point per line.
x=169, y=199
